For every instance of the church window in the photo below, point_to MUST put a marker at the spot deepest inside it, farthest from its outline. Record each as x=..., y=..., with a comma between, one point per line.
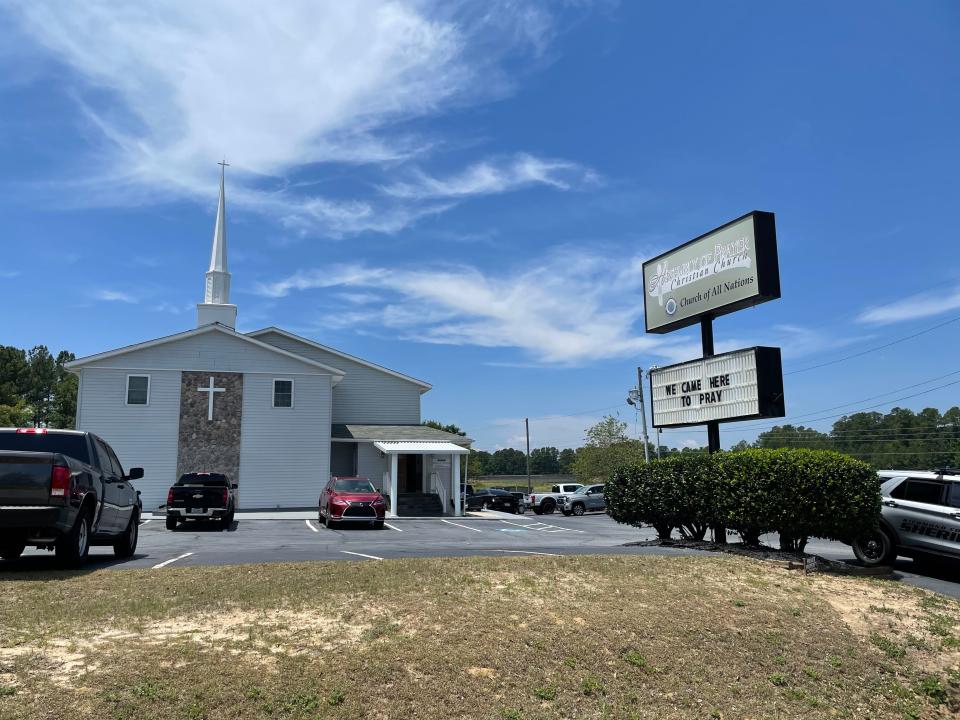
x=138, y=389
x=282, y=393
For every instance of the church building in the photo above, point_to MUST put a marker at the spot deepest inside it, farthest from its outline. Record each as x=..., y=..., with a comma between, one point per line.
x=275, y=412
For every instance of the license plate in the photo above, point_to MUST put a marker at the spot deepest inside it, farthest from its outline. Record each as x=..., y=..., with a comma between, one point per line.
x=196, y=511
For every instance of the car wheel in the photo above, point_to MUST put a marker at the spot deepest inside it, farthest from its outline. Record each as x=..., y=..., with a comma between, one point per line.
x=378, y=524
x=537, y=511
x=171, y=523
x=12, y=549
x=327, y=520
x=126, y=546
x=874, y=548
x=549, y=506
x=578, y=510
x=72, y=547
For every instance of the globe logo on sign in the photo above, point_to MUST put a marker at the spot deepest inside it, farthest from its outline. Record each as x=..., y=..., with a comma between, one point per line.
x=671, y=306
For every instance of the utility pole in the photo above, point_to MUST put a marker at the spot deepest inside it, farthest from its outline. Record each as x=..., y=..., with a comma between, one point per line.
x=526, y=422
x=635, y=398
x=643, y=414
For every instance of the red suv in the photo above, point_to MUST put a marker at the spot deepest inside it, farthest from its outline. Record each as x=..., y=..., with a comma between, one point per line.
x=351, y=498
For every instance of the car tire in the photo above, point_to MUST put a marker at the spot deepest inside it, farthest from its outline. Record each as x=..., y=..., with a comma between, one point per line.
x=875, y=548
x=126, y=546
x=228, y=521
x=378, y=524
x=537, y=511
x=72, y=547
x=12, y=549
x=549, y=506
x=327, y=520
x=565, y=512
x=171, y=523
x=577, y=510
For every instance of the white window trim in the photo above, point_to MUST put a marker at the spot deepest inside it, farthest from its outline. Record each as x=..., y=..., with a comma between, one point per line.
x=126, y=390
x=273, y=393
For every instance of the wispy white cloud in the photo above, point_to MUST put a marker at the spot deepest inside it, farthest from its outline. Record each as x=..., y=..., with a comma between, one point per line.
x=279, y=87
x=9, y=274
x=565, y=311
x=915, y=307
x=115, y=296
x=492, y=177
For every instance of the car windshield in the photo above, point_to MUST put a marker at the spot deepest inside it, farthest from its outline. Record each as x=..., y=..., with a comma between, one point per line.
x=353, y=485
x=203, y=479
x=580, y=491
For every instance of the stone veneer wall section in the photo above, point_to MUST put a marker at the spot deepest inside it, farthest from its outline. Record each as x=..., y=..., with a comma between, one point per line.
x=210, y=445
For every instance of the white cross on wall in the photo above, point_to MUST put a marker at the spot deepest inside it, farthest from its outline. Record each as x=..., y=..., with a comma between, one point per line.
x=210, y=390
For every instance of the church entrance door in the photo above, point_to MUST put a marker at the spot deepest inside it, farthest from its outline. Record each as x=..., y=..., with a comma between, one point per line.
x=410, y=473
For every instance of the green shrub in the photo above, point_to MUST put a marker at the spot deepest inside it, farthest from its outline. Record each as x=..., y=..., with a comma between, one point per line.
x=796, y=493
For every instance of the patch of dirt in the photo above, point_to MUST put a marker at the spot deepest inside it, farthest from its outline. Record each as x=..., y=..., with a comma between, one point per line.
x=263, y=635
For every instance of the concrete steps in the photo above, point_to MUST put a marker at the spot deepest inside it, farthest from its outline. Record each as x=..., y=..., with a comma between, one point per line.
x=419, y=505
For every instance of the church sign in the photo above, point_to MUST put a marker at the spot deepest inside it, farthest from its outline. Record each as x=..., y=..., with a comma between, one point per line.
x=739, y=385
x=727, y=269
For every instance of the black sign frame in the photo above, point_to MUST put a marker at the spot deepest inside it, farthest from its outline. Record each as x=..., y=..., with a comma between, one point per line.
x=768, y=271
x=770, y=400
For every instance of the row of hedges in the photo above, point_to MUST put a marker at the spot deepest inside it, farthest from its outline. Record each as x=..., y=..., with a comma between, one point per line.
x=796, y=493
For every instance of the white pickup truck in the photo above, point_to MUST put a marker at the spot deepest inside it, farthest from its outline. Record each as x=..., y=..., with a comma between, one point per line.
x=547, y=502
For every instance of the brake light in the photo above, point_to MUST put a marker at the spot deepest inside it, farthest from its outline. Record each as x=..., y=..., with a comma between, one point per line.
x=31, y=431
x=170, y=496
x=59, y=481
x=226, y=496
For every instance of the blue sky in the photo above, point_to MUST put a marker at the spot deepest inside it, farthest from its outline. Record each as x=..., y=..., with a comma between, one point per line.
x=465, y=192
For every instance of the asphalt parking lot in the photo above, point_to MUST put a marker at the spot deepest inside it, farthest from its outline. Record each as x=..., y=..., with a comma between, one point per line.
x=298, y=540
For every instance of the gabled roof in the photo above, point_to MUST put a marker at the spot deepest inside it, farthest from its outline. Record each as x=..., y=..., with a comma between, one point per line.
x=424, y=385
x=409, y=433
x=213, y=327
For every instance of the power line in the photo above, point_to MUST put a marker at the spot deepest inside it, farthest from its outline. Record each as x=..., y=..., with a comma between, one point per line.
x=874, y=349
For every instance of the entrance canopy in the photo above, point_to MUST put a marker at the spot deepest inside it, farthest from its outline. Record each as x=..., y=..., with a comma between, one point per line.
x=410, y=447
x=448, y=489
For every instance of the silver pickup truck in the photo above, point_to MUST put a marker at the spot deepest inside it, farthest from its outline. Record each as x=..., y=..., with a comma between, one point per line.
x=546, y=503
x=919, y=517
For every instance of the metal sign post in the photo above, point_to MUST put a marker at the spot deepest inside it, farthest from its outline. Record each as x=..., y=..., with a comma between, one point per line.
x=706, y=338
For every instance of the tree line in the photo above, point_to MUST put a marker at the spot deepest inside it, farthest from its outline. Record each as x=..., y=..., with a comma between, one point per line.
x=35, y=388
x=898, y=439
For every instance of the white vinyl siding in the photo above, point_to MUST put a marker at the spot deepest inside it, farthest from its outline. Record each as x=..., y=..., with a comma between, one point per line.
x=208, y=351
x=284, y=452
x=365, y=395
x=371, y=464
x=142, y=435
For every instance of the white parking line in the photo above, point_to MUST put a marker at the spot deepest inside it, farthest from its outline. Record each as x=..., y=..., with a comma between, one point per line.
x=171, y=560
x=144, y=522
x=372, y=557
x=386, y=524
x=450, y=522
x=542, y=527
x=310, y=525
x=531, y=552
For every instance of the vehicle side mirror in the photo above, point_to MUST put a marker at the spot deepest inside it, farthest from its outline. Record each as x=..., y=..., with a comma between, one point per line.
x=135, y=474
x=233, y=486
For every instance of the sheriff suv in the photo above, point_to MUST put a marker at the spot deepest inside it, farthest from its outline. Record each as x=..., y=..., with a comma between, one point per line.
x=919, y=517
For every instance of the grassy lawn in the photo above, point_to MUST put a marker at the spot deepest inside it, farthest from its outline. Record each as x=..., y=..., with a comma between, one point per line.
x=584, y=637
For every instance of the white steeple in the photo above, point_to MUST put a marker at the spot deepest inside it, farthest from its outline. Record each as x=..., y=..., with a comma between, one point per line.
x=216, y=305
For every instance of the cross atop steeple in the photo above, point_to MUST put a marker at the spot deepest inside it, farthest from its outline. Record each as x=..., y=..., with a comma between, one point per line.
x=216, y=305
